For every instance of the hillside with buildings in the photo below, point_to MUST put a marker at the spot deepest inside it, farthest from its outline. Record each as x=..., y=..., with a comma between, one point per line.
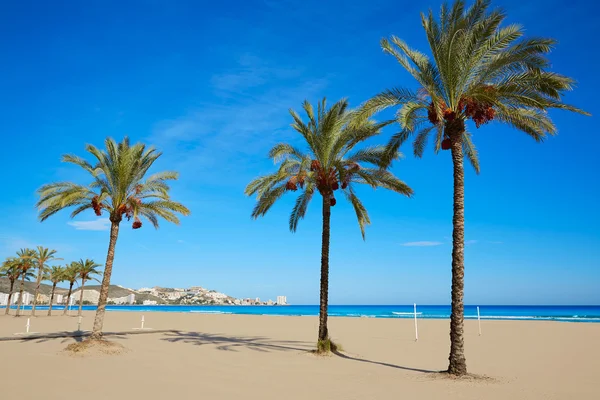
x=194, y=295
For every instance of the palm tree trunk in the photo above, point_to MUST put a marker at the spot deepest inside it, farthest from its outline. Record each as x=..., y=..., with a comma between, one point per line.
x=10, y=293
x=81, y=298
x=38, y=283
x=51, y=299
x=324, y=294
x=457, y=362
x=20, y=303
x=66, y=309
x=110, y=256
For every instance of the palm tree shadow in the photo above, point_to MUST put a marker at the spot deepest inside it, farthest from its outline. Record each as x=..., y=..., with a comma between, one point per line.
x=347, y=357
x=234, y=343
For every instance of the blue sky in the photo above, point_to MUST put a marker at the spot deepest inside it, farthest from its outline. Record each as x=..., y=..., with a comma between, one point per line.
x=210, y=85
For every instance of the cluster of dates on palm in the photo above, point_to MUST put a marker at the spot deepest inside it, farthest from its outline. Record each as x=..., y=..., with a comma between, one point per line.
x=326, y=182
x=480, y=112
x=124, y=210
x=97, y=206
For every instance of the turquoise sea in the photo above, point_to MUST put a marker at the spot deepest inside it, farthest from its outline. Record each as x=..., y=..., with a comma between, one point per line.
x=542, y=313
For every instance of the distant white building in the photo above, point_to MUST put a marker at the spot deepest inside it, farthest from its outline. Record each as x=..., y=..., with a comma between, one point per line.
x=3, y=299
x=88, y=295
x=174, y=295
x=281, y=300
x=27, y=298
x=270, y=302
x=59, y=298
x=129, y=299
x=150, y=302
x=216, y=295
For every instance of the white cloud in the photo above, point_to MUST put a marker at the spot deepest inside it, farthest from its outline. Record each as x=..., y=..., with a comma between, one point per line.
x=468, y=242
x=219, y=140
x=100, y=224
x=422, y=244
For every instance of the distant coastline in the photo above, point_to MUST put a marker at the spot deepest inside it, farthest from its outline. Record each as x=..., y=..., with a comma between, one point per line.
x=590, y=314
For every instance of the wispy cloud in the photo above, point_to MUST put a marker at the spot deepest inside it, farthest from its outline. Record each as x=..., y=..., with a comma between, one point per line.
x=13, y=243
x=218, y=141
x=100, y=224
x=424, y=243
x=468, y=242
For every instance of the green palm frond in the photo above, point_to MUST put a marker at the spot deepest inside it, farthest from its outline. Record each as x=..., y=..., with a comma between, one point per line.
x=332, y=161
x=85, y=269
x=118, y=187
x=474, y=59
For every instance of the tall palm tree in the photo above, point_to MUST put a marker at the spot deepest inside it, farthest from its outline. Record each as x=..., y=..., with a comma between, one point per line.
x=55, y=275
x=42, y=256
x=479, y=71
x=332, y=162
x=10, y=270
x=25, y=263
x=70, y=275
x=85, y=270
x=118, y=188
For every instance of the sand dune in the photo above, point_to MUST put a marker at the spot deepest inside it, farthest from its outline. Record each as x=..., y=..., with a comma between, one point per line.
x=265, y=357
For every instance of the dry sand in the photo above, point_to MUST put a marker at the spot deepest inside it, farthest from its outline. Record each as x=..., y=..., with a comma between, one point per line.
x=265, y=357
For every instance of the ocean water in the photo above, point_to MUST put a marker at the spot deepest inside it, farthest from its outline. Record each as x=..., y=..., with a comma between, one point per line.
x=543, y=313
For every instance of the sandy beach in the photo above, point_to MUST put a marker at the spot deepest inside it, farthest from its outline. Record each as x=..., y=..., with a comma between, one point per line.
x=266, y=357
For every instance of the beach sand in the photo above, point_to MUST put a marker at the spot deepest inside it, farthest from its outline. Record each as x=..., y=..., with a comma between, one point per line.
x=265, y=357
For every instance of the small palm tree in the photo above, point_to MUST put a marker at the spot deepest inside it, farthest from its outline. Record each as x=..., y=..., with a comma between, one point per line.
x=479, y=71
x=25, y=262
x=331, y=163
x=42, y=256
x=118, y=188
x=70, y=275
x=55, y=275
x=10, y=270
x=85, y=270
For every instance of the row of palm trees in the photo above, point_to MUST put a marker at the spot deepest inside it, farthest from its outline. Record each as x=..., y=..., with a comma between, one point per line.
x=478, y=71
x=22, y=268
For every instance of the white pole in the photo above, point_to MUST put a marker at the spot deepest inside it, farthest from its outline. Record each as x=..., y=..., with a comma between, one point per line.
x=479, y=320
x=416, y=328
x=27, y=326
x=142, y=322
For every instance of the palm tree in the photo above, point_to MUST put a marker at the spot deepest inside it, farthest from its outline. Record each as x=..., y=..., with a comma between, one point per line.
x=479, y=71
x=331, y=163
x=118, y=188
x=70, y=275
x=85, y=270
x=11, y=271
x=42, y=256
x=54, y=275
x=25, y=262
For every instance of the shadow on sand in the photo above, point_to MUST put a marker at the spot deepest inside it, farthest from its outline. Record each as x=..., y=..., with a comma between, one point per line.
x=232, y=343
x=221, y=342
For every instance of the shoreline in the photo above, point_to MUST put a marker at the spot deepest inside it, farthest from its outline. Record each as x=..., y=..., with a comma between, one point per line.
x=576, y=314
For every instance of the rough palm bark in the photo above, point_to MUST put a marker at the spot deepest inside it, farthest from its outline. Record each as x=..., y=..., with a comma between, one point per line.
x=81, y=298
x=457, y=362
x=99, y=319
x=66, y=309
x=10, y=293
x=324, y=292
x=51, y=299
x=38, y=283
x=21, y=289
